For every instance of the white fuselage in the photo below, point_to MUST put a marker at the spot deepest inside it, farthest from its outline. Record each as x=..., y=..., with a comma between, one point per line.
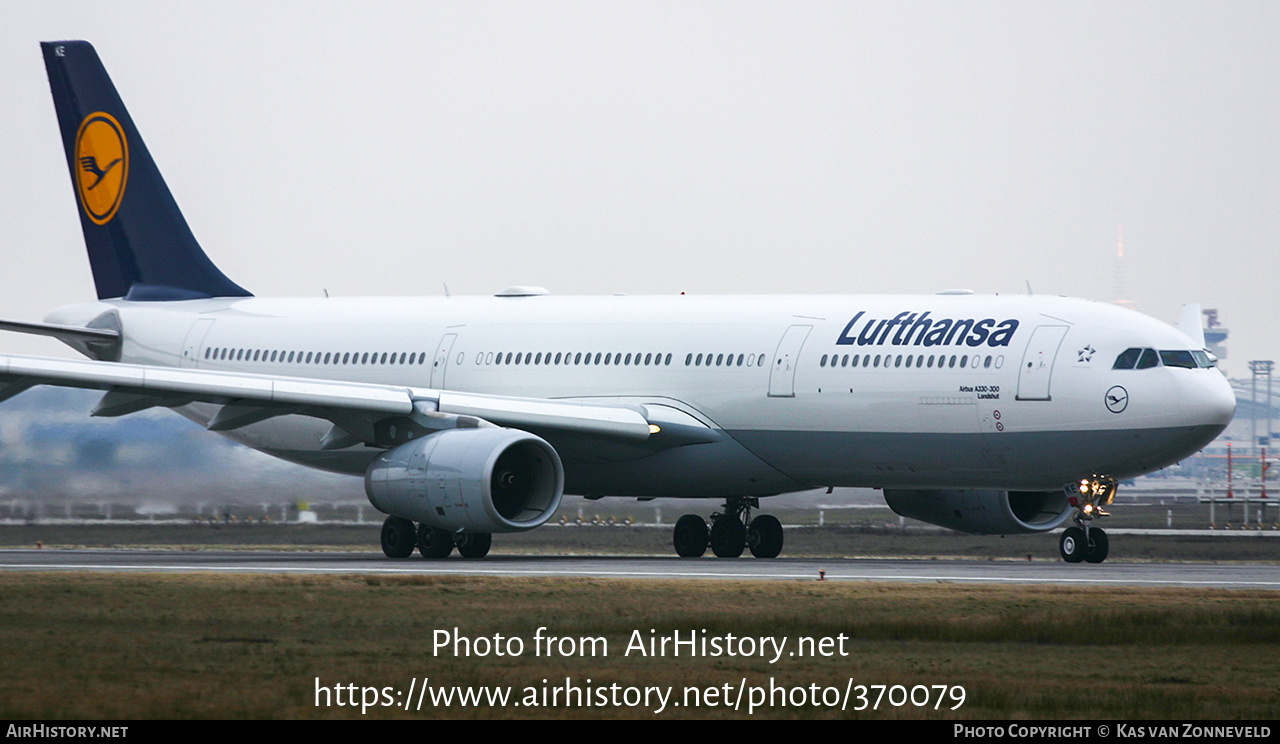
x=928, y=391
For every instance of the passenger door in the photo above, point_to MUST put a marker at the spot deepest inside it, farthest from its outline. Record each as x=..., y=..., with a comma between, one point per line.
x=782, y=377
x=1037, y=363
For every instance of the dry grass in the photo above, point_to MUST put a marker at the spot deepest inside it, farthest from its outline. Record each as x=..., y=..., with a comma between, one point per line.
x=199, y=646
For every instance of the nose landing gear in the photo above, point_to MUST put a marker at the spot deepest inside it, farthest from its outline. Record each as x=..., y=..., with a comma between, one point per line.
x=731, y=532
x=1083, y=542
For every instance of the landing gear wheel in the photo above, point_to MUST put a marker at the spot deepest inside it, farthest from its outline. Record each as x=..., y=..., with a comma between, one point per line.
x=475, y=544
x=764, y=536
x=690, y=536
x=1098, y=545
x=434, y=543
x=1072, y=545
x=399, y=538
x=728, y=537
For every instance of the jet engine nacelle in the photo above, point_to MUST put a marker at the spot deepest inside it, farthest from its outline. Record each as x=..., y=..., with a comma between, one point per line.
x=476, y=480
x=984, y=512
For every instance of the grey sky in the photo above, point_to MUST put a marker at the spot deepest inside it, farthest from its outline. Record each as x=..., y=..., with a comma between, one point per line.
x=390, y=148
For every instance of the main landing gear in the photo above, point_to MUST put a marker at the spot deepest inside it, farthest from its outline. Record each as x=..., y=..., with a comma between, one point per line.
x=731, y=532
x=1084, y=542
x=400, y=537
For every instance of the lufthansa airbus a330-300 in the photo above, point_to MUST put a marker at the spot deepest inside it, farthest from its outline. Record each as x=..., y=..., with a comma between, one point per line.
x=473, y=416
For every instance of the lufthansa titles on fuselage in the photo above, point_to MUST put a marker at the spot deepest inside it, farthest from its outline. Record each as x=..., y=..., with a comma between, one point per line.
x=909, y=328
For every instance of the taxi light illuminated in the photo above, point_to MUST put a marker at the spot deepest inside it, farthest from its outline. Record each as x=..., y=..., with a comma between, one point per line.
x=654, y=428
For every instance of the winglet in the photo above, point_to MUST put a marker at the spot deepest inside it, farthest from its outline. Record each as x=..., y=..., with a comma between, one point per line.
x=140, y=247
x=1190, y=323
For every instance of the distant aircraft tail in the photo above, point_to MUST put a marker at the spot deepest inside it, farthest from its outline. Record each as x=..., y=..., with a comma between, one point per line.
x=140, y=247
x=1191, y=322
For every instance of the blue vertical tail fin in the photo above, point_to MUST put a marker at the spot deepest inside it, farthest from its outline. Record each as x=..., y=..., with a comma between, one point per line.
x=140, y=247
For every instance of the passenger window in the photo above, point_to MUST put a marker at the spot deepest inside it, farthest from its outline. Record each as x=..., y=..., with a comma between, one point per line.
x=1148, y=359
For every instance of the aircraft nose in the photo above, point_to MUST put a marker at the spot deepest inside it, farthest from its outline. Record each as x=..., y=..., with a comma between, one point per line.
x=1211, y=401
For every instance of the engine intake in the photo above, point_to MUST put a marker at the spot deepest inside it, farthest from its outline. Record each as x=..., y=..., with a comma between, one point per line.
x=984, y=512
x=477, y=480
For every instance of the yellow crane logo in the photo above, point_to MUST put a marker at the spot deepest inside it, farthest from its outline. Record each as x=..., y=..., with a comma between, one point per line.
x=101, y=165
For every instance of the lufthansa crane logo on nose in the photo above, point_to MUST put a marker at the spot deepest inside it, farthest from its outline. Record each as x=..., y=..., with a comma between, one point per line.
x=1117, y=399
x=101, y=166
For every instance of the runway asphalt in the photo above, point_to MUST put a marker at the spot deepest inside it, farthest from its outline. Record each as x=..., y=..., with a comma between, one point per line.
x=1215, y=575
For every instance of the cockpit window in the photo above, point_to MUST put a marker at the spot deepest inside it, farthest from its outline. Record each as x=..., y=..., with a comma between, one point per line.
x=1127, y=359
x=1178, y=358
x=1148, y=358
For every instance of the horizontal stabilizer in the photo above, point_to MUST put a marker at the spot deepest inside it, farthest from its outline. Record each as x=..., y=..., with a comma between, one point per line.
x=60, y=331
x=98, y=343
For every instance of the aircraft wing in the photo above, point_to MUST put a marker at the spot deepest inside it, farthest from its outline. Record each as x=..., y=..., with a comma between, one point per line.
x=355, y=408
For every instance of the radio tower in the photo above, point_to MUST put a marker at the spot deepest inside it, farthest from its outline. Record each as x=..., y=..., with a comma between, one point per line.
x=1119, y=273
